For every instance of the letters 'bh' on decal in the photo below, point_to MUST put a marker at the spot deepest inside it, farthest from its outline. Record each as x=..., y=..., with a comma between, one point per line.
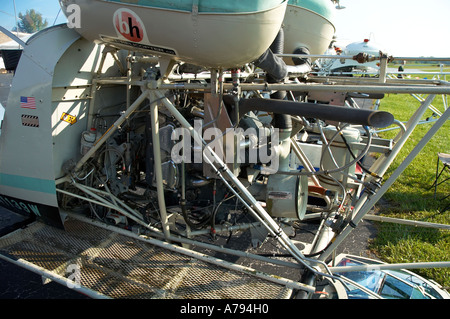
x=129, y=25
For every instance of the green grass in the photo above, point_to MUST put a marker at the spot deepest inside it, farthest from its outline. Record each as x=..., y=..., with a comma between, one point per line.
x=411, y=197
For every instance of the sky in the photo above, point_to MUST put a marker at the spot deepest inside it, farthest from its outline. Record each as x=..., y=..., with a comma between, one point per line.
x=48, y=8
x=402, y=28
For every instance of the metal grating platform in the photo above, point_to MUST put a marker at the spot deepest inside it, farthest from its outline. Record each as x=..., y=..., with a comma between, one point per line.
x=119, y=266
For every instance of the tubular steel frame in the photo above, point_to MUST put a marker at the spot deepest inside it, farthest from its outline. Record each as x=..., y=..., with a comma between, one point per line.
x=154, y=91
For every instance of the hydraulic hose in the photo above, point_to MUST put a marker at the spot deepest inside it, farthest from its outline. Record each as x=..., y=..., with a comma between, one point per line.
x=281, y=120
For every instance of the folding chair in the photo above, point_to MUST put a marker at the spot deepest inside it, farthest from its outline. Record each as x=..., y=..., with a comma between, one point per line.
x=445, y=159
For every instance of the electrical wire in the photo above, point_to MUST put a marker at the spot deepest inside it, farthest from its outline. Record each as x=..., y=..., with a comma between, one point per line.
x=359, y=161
x=338, y=169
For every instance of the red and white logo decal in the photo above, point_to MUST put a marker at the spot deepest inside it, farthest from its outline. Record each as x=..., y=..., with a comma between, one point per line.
x=129, y=25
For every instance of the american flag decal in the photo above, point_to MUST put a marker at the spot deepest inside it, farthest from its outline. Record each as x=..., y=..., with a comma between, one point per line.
x=27, y=102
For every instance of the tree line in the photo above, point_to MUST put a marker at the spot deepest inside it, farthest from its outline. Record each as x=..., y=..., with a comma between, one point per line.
x=31, y=22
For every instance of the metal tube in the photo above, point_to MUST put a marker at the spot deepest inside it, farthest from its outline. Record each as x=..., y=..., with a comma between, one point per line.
x=224, y=228
x=422, y=58
x=101, y=203
x=112, y=129
x=438, y=264
x=378, y=88
x=385, y=89
x=109, y=205
x=337, y=73
x=120, y=81
x=380, y=167
x=129, y=75
x=322, y=111
x=13, y=37
x=145, y=59
x=367, y=205
x=405, y=222
x=92, y=103
x=351, y=57
x=182, y=86
x=383, y=68
x=383, y=163
x=255, y=208
x=246, y=194
x=238, y=253
x=113, y=198
x=209, y=259
x=315, y=56
x=158, y=164
x=402, y=128
x=305, y=161
x=431, y=107
x=54, y=277
x=222, y=249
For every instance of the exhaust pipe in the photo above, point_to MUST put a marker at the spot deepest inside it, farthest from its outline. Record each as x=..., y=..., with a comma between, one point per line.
x=377, y=119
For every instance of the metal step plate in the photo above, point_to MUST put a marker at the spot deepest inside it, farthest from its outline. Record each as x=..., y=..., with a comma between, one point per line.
x=118, y=266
